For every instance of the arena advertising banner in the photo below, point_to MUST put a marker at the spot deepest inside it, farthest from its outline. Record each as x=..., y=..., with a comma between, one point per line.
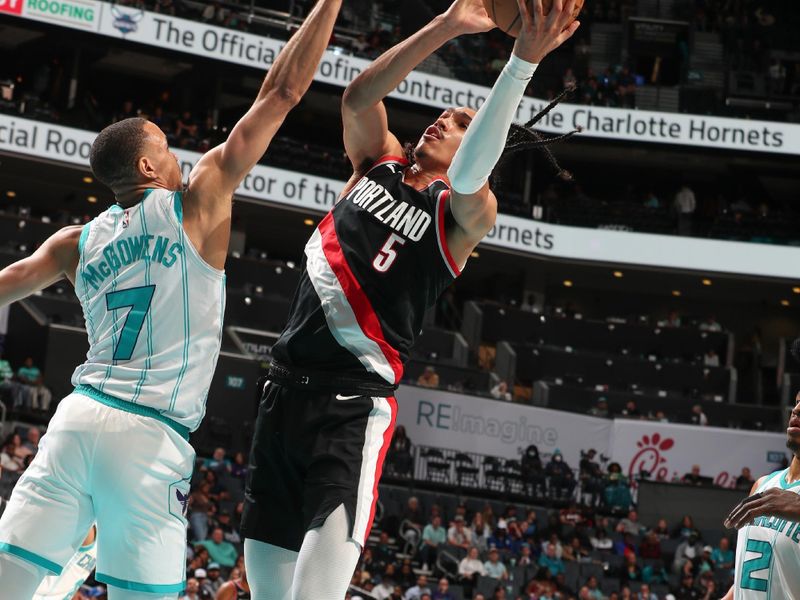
x=668, y=451
x=473, y=424
x=310, y=192
x=339, y=68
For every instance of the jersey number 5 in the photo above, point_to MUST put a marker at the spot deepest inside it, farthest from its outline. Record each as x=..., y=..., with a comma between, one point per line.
x=138, y=299
x=387, y=255
x=759, y=563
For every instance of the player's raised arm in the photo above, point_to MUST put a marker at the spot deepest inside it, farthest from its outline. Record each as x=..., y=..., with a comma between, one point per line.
x=55, y=259
x=473, y=204
x=220, y=171
x=366, y=129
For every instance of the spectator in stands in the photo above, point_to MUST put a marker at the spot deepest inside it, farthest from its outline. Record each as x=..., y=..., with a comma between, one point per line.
x=219, y=550
x=562, y=482
x=201, y=508
x=591, y=476
x=711, y=358
x=625, y=546
x=433, y=536
x=595, y=593
x=416, y=592
x=8, y=386
x=550, y=562
x=651, y=546
x=470, y=567
x=383, y=553
x=525, y=555
x=31, y=444
x=217, y=463
x=703, y=562
x=631, y=570
x=631, y=410
x=399, y=455
x=500, y=538
x=192, y=591
x=9, y=461
x=443, y=591
x=723, y=556
x=689, y=549
x=493, y=566
x=698, y=416
x=429, y=378
x=32, y=381
x=661, y=417
x=685, y=204
x=214, y=579
x=601, y=541
x=239, y=466
x=662, y=530
x=645, y=593
x=481, y=532
x=384, y=589
x=574, y=551
x=630, y=524
x=686, y=589
x=673, y=319
x=229, y=531
x=745, y=480
x=126, y=112
x=694, y=477
x=458, y=535
x=710, y=324
x=617, y=494
x=500, y=392
x=600, y=409
x=533, y=471
x=413, y=512
x=685, y=528
x=651, y=200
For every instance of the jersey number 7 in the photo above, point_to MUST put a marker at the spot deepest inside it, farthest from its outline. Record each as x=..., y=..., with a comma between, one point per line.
x=138, y=299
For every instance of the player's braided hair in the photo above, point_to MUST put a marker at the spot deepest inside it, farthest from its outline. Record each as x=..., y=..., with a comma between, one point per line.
x=524, y=137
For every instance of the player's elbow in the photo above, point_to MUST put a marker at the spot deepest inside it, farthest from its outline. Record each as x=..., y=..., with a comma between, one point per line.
x=352, y=99
x=284, y=97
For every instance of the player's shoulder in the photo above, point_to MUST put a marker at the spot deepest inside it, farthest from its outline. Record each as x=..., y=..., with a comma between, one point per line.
x=766, y=479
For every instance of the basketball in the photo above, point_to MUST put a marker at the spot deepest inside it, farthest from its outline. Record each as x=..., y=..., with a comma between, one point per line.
x=505, y=13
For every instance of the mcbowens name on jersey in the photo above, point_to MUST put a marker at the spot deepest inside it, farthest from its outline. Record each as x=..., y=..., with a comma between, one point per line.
x=127, y=250
x=407, y=220
x=789, y=528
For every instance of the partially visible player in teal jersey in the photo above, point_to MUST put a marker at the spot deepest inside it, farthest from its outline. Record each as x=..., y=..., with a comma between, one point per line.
x=768, y=546
x=149, y=275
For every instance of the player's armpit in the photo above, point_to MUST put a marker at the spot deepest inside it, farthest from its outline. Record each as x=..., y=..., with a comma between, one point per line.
x=475, y=215
x=729, y=595
x=52, y=261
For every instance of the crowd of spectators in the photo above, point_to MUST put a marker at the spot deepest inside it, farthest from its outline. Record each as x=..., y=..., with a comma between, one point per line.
x=594, y=546
x=24, y=388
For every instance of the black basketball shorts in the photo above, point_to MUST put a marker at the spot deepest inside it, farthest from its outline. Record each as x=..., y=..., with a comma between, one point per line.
x=313, y=450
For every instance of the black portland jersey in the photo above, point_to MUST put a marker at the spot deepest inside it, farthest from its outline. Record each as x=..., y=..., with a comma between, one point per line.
x=372, y=268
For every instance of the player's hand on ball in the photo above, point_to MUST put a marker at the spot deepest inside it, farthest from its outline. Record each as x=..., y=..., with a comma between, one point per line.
x=540, y=34
x=469, y=16
x=773, y=502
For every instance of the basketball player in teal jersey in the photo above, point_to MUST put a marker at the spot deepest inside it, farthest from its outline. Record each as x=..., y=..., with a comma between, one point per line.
x=768, y=546
x=149, y=275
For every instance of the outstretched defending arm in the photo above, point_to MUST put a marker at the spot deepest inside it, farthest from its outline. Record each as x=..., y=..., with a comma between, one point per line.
x=474, y=206
x=220, y=171
x=55, y=259
x=366, y=129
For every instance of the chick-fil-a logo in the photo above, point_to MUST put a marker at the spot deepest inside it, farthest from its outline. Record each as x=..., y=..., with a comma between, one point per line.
x=650, y=457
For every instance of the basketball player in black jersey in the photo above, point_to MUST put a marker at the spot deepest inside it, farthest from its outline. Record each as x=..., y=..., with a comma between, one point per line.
x=398, y=236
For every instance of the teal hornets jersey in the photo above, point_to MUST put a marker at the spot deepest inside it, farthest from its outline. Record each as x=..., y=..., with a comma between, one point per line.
x=768, y=553
x=153, y=309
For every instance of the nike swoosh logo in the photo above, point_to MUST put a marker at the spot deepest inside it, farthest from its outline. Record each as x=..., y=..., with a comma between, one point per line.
x=340, y=397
